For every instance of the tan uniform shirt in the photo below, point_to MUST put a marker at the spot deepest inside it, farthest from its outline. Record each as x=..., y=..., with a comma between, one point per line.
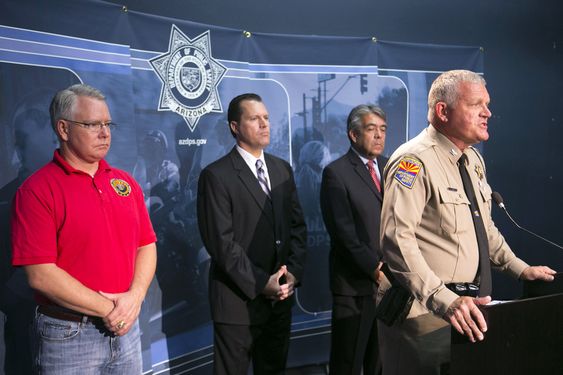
x=428, y=236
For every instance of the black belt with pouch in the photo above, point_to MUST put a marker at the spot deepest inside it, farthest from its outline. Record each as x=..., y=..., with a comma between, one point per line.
x=395, y=303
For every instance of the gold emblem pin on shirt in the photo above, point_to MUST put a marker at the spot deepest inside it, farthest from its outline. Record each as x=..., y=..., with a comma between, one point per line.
x=479, y=171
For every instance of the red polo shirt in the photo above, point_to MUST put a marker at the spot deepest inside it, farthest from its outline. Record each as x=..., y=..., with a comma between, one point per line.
x=89, y=226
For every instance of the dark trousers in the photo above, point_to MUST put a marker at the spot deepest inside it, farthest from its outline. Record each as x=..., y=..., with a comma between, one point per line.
x=417, y=346
x=265, y=344
x=354, y=336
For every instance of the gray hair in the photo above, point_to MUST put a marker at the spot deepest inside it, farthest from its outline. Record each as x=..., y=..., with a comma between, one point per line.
x=355, y=117
x=62, y=104
x=445, y=89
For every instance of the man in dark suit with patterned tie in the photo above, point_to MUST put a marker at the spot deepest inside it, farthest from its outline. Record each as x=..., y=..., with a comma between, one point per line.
x=351, y=200
x=251, y=223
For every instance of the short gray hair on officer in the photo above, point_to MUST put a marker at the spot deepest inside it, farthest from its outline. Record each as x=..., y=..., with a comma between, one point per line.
x=445, y=89
x=354, y=121
x=63, y=101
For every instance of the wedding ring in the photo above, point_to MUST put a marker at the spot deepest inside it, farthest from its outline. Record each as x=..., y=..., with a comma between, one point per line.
x=120, y=324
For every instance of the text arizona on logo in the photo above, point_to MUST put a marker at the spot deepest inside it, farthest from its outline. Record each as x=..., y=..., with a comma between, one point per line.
x=189, y=76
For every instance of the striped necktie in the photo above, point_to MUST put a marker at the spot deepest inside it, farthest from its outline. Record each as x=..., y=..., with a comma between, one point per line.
x=374, y=177
x=262, y=177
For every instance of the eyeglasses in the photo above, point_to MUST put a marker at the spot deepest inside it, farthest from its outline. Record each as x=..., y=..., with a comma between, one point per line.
x=94, y=127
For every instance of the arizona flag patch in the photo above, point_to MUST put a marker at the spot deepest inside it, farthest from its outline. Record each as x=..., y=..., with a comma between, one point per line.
x=407, y=171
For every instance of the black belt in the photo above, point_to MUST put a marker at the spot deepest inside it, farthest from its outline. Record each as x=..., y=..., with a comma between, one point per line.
x=65, y=314
x=464, y=289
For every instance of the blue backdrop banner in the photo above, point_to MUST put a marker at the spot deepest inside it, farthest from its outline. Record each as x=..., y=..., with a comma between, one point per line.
x=168, y=83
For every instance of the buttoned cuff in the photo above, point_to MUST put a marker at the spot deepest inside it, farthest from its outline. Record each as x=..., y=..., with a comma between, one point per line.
x=441, y=301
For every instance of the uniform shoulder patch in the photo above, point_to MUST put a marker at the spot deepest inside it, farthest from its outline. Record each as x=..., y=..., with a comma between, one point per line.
x=407, y=171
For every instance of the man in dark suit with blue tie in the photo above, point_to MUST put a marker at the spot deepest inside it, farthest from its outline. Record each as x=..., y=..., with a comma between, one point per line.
x=351, y=198
x=251, y=224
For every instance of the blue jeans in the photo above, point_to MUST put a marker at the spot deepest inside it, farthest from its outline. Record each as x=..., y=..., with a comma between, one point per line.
x=84, y=348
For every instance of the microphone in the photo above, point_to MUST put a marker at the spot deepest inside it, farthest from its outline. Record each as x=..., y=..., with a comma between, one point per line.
x=500, y=202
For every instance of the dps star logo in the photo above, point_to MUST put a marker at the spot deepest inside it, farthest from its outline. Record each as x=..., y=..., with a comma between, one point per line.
x=190, y=76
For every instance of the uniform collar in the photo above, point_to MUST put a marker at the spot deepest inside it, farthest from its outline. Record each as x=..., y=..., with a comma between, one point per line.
x=61, y=162
x=444, y=144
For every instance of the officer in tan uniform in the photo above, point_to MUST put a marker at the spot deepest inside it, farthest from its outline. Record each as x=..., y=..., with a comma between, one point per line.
x=429, y=239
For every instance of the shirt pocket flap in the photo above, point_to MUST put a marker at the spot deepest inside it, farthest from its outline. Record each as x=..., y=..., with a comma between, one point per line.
x=486, y=192
x=449, y=196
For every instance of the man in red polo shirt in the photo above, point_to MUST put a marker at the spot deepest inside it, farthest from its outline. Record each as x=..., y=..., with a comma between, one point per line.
x=81, y=231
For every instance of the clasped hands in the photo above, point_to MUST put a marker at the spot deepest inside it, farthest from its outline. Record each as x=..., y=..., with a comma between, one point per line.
x=126, y=309
x=276, y=291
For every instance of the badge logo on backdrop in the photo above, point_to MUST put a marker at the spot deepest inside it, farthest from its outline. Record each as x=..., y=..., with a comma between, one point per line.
x=190, y=76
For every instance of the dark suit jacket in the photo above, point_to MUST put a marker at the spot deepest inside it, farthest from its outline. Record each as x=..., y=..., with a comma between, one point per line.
x=351, y=207
x=248, y=235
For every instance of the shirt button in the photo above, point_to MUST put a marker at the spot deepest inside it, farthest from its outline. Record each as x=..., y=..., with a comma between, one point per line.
x=100, y=190
x=278, y=242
